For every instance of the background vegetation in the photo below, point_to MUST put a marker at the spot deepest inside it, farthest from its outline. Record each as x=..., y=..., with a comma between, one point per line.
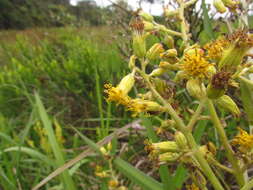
x=51, y=81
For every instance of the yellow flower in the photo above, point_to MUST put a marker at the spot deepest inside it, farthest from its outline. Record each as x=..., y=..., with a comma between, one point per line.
x=116, y=95
x=244, y=140
x=195, y=64
x=216, y=48
x=119, y=93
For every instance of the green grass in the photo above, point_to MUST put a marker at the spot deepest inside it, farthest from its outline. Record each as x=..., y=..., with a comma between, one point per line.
x=67, y=68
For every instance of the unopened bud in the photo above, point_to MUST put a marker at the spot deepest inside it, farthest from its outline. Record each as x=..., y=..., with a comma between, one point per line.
x=113, y=183
x=131, y=63
x=157, y=72
x=146, y=16
x=103, y=151
x=169, y=13
x=139, y=45
x=148, y=26
x=127, y=83
x=230, y=3
x=109, y=146
x=180, y=140
x=180, y=76
x=169, y=42
x=219, y=5
x=211, y=147
x=165, y=146
x=168, y=157
x=211, y=71
x=228, y=104
x=155, y=51
x=194, y=88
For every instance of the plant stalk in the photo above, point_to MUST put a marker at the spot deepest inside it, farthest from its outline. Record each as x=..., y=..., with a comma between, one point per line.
x=230, y=154
x=181, y=126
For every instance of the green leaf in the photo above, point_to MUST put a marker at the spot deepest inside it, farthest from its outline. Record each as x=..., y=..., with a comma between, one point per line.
x=66, y=178
x=247, y=100
x=127, y=169
x=199, y=130
x=207, y=22
x=137, y=176
x=180, y=176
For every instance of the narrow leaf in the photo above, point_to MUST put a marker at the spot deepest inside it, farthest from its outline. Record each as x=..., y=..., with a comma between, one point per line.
x=137, y=176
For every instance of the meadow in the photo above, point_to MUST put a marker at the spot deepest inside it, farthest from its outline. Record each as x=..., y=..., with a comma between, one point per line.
x=66, y=68
x=172, y=113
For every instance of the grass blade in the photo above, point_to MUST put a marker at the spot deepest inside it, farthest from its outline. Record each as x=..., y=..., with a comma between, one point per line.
x=66, y=178
x=247, y=100
x=207, y=22
x=137, y=176
x=30, y=152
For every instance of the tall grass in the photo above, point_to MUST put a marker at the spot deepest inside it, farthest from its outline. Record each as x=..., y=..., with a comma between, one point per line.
x=67, y=67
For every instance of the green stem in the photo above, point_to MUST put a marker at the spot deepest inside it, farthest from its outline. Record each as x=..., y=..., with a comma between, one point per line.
x=248, y=186
x=230, y=154
x=183, y=23
x=195, y=116
x=181, y=126
x=249, y=82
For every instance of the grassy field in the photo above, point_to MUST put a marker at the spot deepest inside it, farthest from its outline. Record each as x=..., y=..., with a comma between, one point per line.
x=66, y=68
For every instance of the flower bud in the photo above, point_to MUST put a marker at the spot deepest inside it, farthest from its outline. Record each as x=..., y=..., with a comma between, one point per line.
x=146, y=16
x=211, y=147
x=170, y=53
x=126, y=84
x=180, y=76
x=165, y=146
x=103, y=151
x=228, y=104
x=139, y=45
x=181, y=140
x=230, y=3
x=169, y=42
x=113, y=183
x=169, y=13
x=219, y=5
x=168, y=157
x=167, y=66
x=157, y=72
x=131, y=63
x=155, y=51
x=211, y=71
x=148, y=26
x=109, y=146
x=194, y=88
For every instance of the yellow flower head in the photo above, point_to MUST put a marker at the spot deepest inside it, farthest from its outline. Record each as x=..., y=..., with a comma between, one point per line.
x=119, y=93
x=244, y=140
x=215, y=49
x=195, y=64
x=116, y=95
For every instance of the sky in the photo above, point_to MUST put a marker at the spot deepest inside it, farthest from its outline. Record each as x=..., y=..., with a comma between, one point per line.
x=155, y=9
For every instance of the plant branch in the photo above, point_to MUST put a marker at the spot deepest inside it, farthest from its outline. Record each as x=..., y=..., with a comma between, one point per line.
x=181, y=126
x=230, y=154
